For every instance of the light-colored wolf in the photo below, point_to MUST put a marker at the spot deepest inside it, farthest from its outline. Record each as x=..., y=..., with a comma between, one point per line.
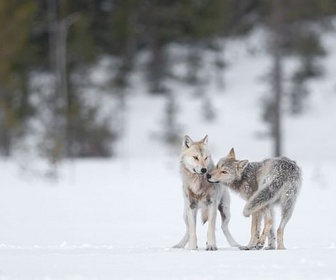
x=198, y=193
x=263, y=184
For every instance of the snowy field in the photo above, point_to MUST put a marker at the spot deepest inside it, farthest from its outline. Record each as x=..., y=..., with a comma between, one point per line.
x=118, y=218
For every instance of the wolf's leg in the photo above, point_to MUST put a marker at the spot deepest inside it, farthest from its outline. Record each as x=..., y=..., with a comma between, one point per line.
x=192, y=228
x=286, y=213
x=268, y=224
x=183, y=241
x=212, y=214
x=271, y=235
x=224, y=210
x=255, y=231
x=185, y=238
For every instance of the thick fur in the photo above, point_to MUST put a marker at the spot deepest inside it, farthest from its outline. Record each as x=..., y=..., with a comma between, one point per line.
x=198, y=193
x=263, y=184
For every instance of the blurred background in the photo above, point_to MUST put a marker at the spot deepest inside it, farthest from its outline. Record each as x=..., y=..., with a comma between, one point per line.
x=124, y=78
x=97, y=95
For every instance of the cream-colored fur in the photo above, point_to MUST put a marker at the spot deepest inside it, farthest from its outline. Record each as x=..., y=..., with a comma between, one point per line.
x=198, y=193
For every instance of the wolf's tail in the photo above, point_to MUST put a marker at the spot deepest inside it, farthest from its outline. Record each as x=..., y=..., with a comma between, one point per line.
x=204, y=215
x=264, y=197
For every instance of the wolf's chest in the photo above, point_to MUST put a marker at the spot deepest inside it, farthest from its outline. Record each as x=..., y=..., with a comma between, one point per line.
x=200, y=195
x=199, y=199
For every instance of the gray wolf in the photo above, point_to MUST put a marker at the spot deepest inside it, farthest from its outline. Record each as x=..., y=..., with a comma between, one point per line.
x=263, y=184
x=198, y=193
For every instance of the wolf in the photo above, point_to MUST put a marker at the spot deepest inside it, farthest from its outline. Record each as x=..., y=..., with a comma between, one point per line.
x=263, y=184
x=198, y=193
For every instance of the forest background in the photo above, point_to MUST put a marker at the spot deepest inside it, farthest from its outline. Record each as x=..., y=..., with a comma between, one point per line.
x=52, y=106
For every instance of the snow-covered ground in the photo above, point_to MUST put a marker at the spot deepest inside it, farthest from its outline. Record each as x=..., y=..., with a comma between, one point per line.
x=118, y=218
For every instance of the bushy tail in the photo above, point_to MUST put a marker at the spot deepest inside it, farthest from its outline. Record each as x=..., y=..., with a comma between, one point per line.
x=204, y=215
x=263, y=197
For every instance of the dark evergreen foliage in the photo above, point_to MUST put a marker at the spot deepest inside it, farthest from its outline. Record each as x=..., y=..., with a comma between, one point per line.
x=64, y=39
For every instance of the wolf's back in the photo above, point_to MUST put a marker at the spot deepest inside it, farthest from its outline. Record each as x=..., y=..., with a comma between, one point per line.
x=283, y=179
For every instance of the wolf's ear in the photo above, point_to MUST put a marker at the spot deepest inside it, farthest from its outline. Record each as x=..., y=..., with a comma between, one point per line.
x=242, y=164
x=232, y=154
x=187, y=142
x=205, y=140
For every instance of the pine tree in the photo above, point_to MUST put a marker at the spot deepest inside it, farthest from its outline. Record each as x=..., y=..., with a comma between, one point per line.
x=292, y=26
x=16, y=20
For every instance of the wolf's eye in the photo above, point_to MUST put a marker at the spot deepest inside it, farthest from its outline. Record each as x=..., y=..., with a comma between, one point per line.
x=205, y=158
x=195, y=157
x=224, y=172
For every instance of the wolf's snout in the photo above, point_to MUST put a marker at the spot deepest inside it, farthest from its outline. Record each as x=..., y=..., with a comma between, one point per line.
x=203, y=170
x=208, y=176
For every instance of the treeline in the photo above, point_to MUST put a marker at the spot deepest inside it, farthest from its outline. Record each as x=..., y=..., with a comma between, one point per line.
x=48, y=48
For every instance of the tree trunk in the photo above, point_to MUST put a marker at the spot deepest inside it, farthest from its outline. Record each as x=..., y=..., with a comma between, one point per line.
x=5, y=139
x=277, y=73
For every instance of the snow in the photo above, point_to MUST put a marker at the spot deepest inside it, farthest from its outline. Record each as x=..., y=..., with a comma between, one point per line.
x=117, y=221
x=118, y=218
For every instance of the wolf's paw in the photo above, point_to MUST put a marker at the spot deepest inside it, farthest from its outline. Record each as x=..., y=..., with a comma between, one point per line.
x=192, y=247
x=244, y=248
x=269, y=248
x=259, y=246
x=237, y=245
x=178, y=246
x=211, y=248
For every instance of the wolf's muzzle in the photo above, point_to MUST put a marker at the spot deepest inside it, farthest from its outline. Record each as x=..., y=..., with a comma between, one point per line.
x=209, y=177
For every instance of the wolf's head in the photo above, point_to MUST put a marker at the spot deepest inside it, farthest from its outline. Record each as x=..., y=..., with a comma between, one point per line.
x=228, y=169
x=195, y=156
